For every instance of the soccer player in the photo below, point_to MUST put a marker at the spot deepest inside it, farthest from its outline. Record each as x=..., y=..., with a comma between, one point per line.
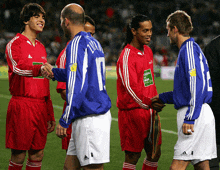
x=192, y=91
x=135, y=87
x=88, y=104
x=89, y=25
x=30, y=113
x=212, y=53
x=61, y=86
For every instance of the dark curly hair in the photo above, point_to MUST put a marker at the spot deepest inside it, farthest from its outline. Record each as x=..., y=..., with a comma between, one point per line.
x=28, y=11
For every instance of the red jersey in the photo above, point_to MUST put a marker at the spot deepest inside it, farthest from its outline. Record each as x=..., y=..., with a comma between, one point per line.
x=60, y=63
x=24, y=62
x=135, y=78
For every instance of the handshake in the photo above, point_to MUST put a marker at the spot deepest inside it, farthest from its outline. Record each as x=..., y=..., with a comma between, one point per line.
x=46, y=71
x=157, y=104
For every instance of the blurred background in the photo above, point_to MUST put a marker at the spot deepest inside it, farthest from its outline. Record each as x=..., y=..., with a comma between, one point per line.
x=111, y=17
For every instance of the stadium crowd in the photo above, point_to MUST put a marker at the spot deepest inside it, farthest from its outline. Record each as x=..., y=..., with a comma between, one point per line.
x=111, y=17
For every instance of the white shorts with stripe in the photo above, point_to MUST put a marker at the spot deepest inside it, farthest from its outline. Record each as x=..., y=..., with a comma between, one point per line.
x=201, y=145
x=90, y=139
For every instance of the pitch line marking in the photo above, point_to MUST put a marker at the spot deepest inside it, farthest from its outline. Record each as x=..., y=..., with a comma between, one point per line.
x=114, y=119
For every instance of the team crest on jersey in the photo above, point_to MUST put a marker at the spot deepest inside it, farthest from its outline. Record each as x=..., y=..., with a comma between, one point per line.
x=73, y=67
x=193, y=73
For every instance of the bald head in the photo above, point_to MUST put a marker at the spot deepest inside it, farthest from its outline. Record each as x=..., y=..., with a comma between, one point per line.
x=74, y=12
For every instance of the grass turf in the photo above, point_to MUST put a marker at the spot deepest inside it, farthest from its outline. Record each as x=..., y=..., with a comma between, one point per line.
x=54, y=156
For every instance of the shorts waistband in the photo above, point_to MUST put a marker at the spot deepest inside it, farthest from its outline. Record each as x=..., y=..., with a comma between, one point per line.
x=29, y=99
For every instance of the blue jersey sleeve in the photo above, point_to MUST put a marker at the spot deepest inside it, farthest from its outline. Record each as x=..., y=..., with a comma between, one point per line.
x=59, y=74
x=166, y=97
x=197, y=75
x=76, y=63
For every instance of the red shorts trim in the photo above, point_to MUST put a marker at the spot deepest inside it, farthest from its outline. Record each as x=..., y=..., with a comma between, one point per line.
x=26, y=124
x=134, y=127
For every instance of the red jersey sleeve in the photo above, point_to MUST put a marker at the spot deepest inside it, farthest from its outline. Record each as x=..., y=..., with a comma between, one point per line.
x=61, y=62
x=17, y=63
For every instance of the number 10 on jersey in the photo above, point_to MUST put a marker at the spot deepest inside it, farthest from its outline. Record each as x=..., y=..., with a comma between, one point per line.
x=100, y=64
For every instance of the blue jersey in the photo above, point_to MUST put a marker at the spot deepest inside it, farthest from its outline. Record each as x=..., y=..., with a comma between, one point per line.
x=84, y=75
x=192, y=83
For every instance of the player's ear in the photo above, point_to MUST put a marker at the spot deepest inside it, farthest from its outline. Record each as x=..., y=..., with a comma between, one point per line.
x=175, y=29
x=25, y=22
x=133, y=31
x=66, y=22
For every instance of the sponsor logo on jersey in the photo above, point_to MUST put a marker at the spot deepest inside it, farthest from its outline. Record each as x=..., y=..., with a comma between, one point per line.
x=193, y=72
x=73, y=67
x=147, y=78
x=29, y=56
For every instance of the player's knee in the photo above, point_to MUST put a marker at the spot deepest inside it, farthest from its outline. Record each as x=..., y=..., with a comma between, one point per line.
x=66, y=167
x=174, y=167
x=93, y=166
x=18, y=156
x=132, y=157
x=202, y=165
x=36, y=155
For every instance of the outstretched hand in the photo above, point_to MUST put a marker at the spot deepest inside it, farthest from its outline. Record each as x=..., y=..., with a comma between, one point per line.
x=157, y=104
x=46, y=71
x=61, y=131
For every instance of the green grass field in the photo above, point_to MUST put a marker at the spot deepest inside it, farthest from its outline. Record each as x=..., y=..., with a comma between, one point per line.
x=54, y=156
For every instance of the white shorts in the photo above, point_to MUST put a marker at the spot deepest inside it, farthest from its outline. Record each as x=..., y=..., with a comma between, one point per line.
x=90, y=139
x=201, y=145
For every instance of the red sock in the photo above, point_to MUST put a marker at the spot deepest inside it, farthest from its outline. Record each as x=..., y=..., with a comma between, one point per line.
x=14, y=166
x=147, y=165
x=128, y=166
x=33, y=165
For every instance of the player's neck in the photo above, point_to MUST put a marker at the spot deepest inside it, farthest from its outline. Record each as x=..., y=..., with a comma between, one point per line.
x=75, y=29
x=182, y=39
x=137, y=45
x=31, y=35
